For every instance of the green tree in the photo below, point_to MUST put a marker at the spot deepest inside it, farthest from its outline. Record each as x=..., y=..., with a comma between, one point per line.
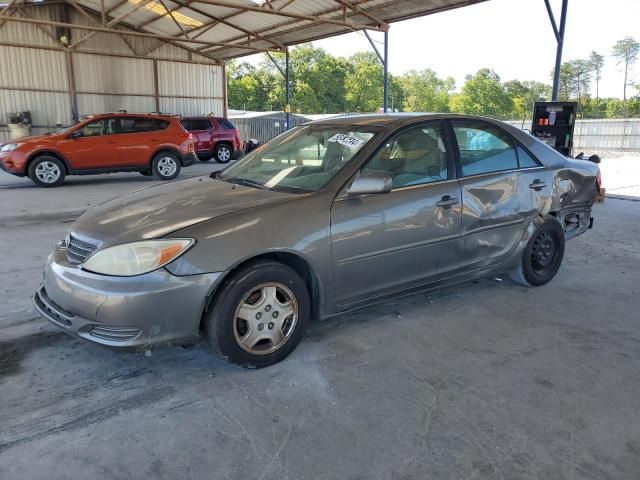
x=524, y=95
x=424, y=91
x=626, y=52
x=582, y=70
x=363, y=84
x=483, y=94
x=597, y=63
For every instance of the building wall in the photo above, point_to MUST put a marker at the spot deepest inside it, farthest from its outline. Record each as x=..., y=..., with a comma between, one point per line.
x=37, y=75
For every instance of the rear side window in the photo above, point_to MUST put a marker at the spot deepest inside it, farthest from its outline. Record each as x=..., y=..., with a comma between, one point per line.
x=140, y=124
x=226, y=124
x=191, y=125
x=526, y=160
x=484, y=149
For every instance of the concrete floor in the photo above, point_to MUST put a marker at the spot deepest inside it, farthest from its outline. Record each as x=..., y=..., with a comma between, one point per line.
x=488, y=380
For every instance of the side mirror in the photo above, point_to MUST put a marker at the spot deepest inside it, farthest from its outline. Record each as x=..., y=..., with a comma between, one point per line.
x=76, y=134
x=370, y=183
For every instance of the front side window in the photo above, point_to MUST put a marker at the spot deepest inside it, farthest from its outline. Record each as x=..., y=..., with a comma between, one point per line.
x=105, y=126
x=484, y=149
x=413, y=157
x=303, y=159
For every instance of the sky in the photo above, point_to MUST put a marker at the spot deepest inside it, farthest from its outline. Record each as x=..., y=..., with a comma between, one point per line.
x=513, y=37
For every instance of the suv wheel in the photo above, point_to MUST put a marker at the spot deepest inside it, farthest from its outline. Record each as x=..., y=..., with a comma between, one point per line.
x=166, y=166
x=46, y=171
x=222, y=153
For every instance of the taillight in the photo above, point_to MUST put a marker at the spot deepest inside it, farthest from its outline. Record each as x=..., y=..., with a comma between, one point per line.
x=599, y=180
x=190, y=136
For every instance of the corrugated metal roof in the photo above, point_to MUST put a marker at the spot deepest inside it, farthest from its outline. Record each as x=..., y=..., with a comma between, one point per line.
x=233, y=28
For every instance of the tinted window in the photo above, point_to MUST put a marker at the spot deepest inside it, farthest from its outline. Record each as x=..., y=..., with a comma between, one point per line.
x=226, y=124
x=413, y=157
x=526, y=160
x=484, y=149
x=191, y=125
x=99, y=127
x=141, y=124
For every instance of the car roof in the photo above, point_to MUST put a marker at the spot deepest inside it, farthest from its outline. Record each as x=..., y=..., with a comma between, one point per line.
x=126, y=115
x=395, y=119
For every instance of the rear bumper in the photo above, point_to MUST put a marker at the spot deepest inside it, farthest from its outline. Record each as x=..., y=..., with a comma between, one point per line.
x=189, y=159
x=157, y=308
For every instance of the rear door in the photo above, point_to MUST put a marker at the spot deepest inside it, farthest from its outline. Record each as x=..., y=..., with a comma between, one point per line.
x=202, y=131
x=497, y=202
x=138, y=138
x=407, y=237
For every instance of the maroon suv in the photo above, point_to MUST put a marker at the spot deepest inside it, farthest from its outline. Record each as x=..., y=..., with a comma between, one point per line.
x=213, y=137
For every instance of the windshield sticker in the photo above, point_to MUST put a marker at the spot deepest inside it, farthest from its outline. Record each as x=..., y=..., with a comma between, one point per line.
x=346, y=140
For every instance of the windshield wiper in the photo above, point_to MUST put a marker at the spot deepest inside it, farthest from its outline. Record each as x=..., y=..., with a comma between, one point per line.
x=246, y=182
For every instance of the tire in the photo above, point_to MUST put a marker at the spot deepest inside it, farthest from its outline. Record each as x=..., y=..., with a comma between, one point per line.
x=165, y=166
x=47, y=171
x=542, y=256
x=222, y=153
x=266, y=291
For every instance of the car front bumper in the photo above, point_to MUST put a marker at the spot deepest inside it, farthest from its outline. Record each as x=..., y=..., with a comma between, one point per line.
x=13, y=162
x=139, y=312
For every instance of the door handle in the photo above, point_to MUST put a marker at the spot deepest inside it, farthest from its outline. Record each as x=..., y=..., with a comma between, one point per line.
x=447, y=201
x=537, y=185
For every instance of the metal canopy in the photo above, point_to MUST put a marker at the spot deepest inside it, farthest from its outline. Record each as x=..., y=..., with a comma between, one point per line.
x=224, y=29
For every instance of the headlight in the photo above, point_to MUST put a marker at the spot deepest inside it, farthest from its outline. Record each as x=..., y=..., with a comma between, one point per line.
x=136, y=258
x=9, y=147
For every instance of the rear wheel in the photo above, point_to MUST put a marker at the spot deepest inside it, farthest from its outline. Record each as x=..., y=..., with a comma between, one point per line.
x=46, y=171
x=166, y=166
x=542, y=256
x=260, y=315
x=222, y=153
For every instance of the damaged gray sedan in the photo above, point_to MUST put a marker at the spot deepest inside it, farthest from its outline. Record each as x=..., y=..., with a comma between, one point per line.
x=327, y=217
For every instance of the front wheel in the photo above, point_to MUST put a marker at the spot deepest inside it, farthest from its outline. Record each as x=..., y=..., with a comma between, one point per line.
x=542, y=256
x=260, y=315
x=166, y=166
x=46, y=171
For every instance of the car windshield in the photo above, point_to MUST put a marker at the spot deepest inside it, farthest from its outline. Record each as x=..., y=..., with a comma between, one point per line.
x=303, y=159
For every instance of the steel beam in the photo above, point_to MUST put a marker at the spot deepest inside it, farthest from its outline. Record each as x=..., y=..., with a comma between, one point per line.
x=296, y=16
x=90, y=28
x=559, y=33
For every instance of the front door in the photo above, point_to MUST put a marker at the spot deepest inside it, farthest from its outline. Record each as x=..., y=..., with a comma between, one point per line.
x=95, y=149
x=407, y=237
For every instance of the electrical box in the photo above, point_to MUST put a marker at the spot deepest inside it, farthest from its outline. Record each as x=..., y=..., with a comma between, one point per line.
x=553, y=124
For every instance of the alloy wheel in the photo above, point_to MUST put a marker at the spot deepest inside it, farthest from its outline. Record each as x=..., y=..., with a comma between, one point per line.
x=167, y=166
x=47, y=172
x=224, y=154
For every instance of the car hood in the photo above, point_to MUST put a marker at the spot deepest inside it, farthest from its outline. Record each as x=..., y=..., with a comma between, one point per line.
x=32, y=138
x=158, y=211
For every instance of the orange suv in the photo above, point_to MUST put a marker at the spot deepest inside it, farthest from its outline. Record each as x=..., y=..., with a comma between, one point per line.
x=149, y=144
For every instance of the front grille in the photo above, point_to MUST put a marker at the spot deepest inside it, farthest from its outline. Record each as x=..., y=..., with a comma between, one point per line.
x=114, y=334
x=78, y=251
